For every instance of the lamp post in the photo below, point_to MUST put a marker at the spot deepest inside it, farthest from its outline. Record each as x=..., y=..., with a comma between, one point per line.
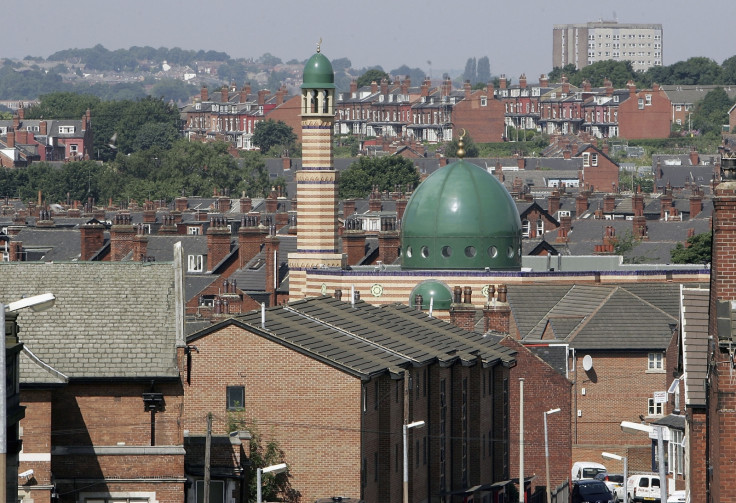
x=626, y=471
x=631, y=427
x=406, y=428
x=37, y=303
x=280, y=468
x=546, y=451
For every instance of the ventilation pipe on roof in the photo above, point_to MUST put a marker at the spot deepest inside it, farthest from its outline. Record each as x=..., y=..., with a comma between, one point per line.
x=263, y=315
x=352, y=295
x=431, y=305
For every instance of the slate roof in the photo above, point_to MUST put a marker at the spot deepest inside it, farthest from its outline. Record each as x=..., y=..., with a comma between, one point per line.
x=110, y=321
x=366, y=340
x=694, y=345
x=610, y=317
x=50, y=244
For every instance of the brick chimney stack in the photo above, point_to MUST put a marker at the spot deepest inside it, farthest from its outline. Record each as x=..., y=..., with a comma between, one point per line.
x=348, y=208
x=497, y=313
x=586, y=86
x=405, y=85
x=140, y=245
x=262, y=95
x=581, y=204
x=522, y=81
x=251, y=236
x=462, y=311
x=640, y=227
x=272, y=202
x=353, y=241
x=637, y=204
x=374, y=201
x=467, y=89
x=353, y=88
x=225, y=94
x=564, y=229
x=374, y=87
x=694, y=157
x=502, y=81
x=10, y=140
x=93, y=237
x=401, y=207
x=181, y=204
x=696, y=205
x=609, y=203
x=543, y=80
x=553, y=203
x=565, y=85
x=384, y=86
x=245, y=204
x=204, y=94
x=121, y=237
x=388, y=241
x=218, y=241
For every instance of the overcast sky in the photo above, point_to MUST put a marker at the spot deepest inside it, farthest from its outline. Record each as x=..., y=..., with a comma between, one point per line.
x=515, y=35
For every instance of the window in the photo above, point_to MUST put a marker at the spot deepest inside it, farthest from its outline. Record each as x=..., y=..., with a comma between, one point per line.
x=655, y=361
x=235, y=397
x=641, y=104
x=195, y=263
x=654, y=409
x=73, y=149
x=678, y=108
x=648, y=99
x=594, y=159
x=66, y=129
x=586, y=159
x=525, y=228
x=193, y=231
x=483, y=101
x=676, y=454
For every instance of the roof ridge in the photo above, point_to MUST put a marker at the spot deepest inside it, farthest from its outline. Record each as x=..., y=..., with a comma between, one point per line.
x=592, y=314
x=546, y=315
x=676, y=318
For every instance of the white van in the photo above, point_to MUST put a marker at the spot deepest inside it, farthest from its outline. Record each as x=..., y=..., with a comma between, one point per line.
x=586, y=470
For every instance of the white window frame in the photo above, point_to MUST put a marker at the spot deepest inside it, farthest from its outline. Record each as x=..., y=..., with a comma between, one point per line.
x=195, y=263
x=654, y=408
x=655, y=362
x=484, y=101
x=66, y=129
x=594, y=159
x=193, y=230
x=586, y=159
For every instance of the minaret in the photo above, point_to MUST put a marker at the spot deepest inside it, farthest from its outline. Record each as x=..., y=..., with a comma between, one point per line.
x=317, y=241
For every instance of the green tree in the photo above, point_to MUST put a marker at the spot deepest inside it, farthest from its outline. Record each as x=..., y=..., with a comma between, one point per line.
x=697, y=251
x=556, y=74
x=384, y=172
x=159, y=134
x=273, y=487
x=712, y=112
x=372, y=75
x=483, y=71
x=471, y=149
x=471, y=71
x=270, y=133
x=416, y=75
x=173, y=90
x=618, y=72
x=62, y=105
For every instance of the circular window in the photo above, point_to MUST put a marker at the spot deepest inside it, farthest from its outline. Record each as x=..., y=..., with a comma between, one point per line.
x=425, y=252
x=470, y=251
x=510, y=252
x=492, y=251
x=408, y=252
x=447, y=251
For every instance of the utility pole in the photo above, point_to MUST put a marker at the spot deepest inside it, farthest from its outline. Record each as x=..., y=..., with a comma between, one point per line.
x=207, y=444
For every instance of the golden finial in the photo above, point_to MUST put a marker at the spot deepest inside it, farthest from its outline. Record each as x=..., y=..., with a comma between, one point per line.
x=319, y=44
x=460, y=152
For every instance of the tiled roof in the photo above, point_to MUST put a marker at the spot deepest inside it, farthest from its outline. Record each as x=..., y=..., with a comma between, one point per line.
x=364, y=340
x=111, y=320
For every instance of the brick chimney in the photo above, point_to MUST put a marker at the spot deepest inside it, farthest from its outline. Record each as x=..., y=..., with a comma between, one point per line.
x=43, y=128
x=637, y=204
x=374, y=202
x=272, y=202
x=225, y=94
x=586, y=86
x=218, y=241
x=502, y=81
x=563, y=230
x=694, y=157
x=498, y=172
x=567, y=153
x=245, y=204
x=353, y=241
x=262, y=95
x=522, y=81
x=140, y=245
x=405, y=85
x=271, y=250
x=353, y=88
x=553, y=202
x=609, y=203
x=10, y=141
x=374, y=87
x=401, y=207
x=543, y=81
x=348, y=208
x=497, y=313
x=149, y=213
x=425, y=88
x=665, y=204
x=122, y=233
x=632, y=88
x=251, y=236
x=640, y=227
x=223, y=204
x=467, y=89
x=565, y=85
x=462, y=311
x=388, y=241
x=168, y=225
x=581, y=204
x=384, y=86
x=16, y=122
x=696, y=205
x=203, y=94
x=182, y=203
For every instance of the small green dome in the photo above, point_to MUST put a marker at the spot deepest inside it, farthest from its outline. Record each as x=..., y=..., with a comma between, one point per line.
x=461, y=217
x=318, y=73
x=432, y=289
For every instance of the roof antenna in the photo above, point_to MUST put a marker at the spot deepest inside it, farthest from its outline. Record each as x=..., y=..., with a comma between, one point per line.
x=263, y=315
x=431, y=305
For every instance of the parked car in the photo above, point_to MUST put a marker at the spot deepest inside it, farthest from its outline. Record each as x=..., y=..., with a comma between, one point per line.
x=590, y=491
x=614, y=482
x=643, y=487
x=677, y=496
x=586, y=470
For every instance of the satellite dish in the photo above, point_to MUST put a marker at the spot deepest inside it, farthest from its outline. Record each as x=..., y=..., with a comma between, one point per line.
x=587, y=362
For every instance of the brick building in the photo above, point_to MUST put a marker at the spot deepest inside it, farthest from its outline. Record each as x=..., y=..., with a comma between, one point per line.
x=99, y=378
x=334, y=381
x=645, y=114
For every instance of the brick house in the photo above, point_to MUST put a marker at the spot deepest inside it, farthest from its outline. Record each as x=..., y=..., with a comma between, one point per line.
x=349, y=376
x=480, y=114
x=645, y=114
x=99, y=378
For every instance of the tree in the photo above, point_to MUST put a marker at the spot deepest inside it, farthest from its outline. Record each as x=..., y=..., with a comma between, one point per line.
x=62, y=105
x=471, y=149
x=712, y=112
x=270, y=133
x=416, y=75
x=384, y=172
x=273, y=487
x=556, y=74
x=372, y=75
x=471, y=73
x=697, y=251
x=483, y=70
x=173, y=90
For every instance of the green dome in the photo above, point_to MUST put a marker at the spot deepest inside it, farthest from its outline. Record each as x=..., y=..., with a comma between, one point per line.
x=318, y=73
x=461, y=217
x=432, y=289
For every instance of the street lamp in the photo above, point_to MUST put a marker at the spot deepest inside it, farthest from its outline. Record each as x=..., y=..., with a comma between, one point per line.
x=546, y=451
x=626, y=471
x=280, y=468
x=37, y=303
x=406, y=428
x=631, y=427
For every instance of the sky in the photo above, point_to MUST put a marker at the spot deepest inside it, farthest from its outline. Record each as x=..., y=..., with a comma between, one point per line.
x=436, y=36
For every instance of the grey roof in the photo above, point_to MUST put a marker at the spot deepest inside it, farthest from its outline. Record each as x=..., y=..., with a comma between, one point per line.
x=111, y=320
x=592, y=316
x=555, y=356
x=690, y=94
x=365, y=340
x=252, y=277
x=673, y=421
x=59, y=245
x=162, y=246
x=694, y=308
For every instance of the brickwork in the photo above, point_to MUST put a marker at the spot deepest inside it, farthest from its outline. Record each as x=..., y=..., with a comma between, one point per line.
x=353, y=245
x=121, y=241
x=218, y=242
x=645, y=114
x=312, y=410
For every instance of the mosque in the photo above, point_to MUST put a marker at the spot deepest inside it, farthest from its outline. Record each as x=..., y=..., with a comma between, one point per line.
x=460, y=228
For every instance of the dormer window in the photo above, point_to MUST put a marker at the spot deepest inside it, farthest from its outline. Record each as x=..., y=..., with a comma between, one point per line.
x=66, y=129
x=483, y=101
